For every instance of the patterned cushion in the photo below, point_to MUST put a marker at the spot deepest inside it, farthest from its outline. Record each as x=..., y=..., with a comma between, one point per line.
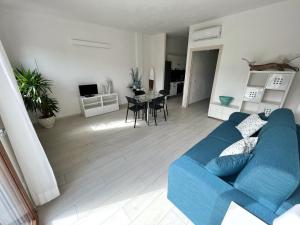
x=250, y=125
x=245, y=145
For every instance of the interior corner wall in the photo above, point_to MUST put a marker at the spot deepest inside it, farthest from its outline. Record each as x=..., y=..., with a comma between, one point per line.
x=154, y=54
x=46, y=38
x=202, y=74
x=176, y=45
x=263, y=35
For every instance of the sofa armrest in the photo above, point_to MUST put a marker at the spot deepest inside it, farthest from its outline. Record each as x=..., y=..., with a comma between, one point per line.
x=205, y=198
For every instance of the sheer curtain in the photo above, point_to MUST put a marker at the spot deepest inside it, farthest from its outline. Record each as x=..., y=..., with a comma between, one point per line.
x=28, y=150
x=12, y=207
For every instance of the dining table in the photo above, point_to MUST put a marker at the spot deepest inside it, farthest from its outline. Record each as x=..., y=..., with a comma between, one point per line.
x=147, y=98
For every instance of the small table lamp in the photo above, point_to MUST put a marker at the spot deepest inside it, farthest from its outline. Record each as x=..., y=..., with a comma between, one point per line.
x=290, y=217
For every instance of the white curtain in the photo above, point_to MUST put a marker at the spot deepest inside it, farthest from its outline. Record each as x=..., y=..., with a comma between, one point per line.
x=12, y=208
x=28, y=150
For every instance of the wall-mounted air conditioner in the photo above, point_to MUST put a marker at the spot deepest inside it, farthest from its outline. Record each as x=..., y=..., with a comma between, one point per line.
x=207, y=33
x=91, y=44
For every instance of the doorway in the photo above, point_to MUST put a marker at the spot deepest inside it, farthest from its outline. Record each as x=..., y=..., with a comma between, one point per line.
x=200, y=78
x=175, y=64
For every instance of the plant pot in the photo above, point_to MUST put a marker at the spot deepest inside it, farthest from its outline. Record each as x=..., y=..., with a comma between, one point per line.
x=47, y=122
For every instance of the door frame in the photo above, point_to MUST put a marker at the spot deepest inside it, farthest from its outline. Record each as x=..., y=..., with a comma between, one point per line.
x=188, y=75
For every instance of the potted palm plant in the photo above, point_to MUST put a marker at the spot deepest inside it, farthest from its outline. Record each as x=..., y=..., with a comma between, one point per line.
x=35, y=92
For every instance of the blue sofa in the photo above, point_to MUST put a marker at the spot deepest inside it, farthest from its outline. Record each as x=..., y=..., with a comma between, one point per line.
x=266, y=187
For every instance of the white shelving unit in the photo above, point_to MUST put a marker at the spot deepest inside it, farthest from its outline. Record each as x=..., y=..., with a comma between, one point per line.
x=99, y=104
x=266, y=91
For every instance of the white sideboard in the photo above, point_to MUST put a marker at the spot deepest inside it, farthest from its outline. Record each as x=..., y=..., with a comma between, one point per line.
x=99, y=104
x=218, y=111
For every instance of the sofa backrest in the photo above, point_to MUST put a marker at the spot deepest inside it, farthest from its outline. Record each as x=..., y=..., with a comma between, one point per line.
x=273, y=174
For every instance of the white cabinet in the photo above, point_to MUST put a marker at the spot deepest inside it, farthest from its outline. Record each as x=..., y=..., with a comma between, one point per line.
x=99, y=104
x=218, y=111
x=173, y=88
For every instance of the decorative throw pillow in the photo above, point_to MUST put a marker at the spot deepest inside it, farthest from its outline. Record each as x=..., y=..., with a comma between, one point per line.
x=228, y=165
x=250, y=125
x=245, y=145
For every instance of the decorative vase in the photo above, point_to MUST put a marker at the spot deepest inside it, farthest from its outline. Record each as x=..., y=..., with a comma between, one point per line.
x=225, y=100
x=47, y=122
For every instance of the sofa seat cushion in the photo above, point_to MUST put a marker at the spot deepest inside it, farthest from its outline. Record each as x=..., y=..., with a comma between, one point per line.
x=207, y=149
x=227, y=132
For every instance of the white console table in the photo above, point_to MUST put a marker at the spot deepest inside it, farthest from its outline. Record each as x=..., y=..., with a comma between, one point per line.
x=236, y=215
x=99, y=104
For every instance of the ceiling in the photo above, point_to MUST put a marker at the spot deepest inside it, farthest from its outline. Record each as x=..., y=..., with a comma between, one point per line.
x=150, y=16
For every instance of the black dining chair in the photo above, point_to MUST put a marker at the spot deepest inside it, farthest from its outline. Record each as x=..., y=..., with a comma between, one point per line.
x=139, y=92
x=158, y=104
x=135, y=107
x=165, y=94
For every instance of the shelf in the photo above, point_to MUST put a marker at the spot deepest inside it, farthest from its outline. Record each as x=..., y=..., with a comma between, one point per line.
x=274, y=89
x=92, y=104
x=255, y=86
x=91, y=107
x=254, y=102
x=229, y=106
x=272, y=71
x=108, y=101
x=271, y=103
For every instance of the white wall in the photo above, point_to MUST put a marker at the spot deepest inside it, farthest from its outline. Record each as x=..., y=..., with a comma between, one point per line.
x=263, y=35
x=154, y=54
x=48, y=40
x=176, y=45
x=202, y=74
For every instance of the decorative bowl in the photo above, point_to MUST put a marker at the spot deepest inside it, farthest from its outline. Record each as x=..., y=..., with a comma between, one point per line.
x=225, y=100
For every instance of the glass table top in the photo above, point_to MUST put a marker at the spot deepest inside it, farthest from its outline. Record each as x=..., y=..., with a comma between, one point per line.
x=149, y=96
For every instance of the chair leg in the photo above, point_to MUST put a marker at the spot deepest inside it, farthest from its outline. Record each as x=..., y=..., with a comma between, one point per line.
x=165, y=115
x=126, y=116
x=167, y=109
x=155, y=115
x=135, y=116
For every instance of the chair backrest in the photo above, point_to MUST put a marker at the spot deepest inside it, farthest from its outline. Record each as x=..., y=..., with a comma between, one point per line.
x=132, y=100
x=159, y=100
x=139, y=92
x=163, y=92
